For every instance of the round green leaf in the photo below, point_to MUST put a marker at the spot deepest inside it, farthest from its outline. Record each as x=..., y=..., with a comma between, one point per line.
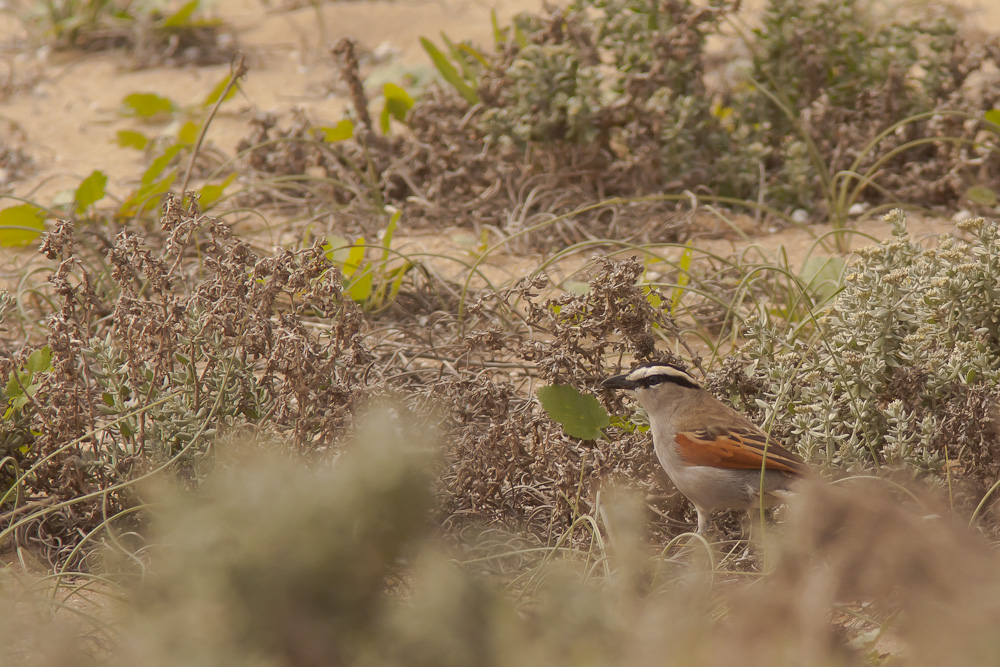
x=982, y=195
x=21, y=224
x=581, y=415
x=339, y=132
x=147, y=105
x=90, y=191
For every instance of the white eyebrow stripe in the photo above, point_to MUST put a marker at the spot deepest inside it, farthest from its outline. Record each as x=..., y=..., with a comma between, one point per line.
x=649, y=371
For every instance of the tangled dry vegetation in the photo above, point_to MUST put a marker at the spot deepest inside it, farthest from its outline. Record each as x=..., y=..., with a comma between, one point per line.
x=188, y=336
x=176, y=340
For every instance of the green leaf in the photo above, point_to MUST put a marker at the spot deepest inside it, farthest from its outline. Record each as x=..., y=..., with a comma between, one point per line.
x=581, y=415
x=213, y=96
x=683, y=278
x=982, y=195
x=147, y=194
x=390, y=230
x=212, y=192
x=475, y=53
x=448, y=72
x=499, y=36
x=627, y=425
x=653, y=296
x=16, y=384
x=161, y=162
x=40, y=361
x=397, y=104
x=337, y=249
x=361, y=276
x=397, y=283
x=182, y=17
x=519, y=37
x=457, y=55
x=339, y=132
x=90, y=191
x=132, y=139
x=361, y=286
x=355, y=258
x=188, y=134
x=993, y=116
x=822, y=275
x=21, y=224
x=147, y=105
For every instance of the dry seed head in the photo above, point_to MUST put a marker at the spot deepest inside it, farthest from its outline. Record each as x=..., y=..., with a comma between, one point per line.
x=895, y=217
x=895, y=276
x=869, y=251
x=971, y=224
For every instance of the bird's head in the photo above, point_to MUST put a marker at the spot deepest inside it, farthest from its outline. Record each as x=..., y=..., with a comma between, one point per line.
x=654, y=378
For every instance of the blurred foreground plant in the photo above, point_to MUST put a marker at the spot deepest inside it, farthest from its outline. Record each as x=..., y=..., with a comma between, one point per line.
x=292, y=562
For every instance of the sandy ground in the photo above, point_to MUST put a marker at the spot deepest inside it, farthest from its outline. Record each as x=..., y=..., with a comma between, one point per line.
x=68, y=104
x=70, y=113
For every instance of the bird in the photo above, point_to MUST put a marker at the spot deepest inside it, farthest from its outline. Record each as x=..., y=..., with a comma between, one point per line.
x=715, y=456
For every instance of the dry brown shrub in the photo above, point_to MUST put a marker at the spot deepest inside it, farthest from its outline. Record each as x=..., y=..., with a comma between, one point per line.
x=197, y=337
x=190, y=335
x=868, y=549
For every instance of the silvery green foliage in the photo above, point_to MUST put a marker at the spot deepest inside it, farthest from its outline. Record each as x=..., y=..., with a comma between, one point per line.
x=638, y=84
x=552, y=95
x=905, y=370
x=161, y=416
x=598, y=65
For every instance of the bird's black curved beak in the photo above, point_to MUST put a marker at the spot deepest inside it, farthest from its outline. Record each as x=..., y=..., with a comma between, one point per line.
x=619, y=382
